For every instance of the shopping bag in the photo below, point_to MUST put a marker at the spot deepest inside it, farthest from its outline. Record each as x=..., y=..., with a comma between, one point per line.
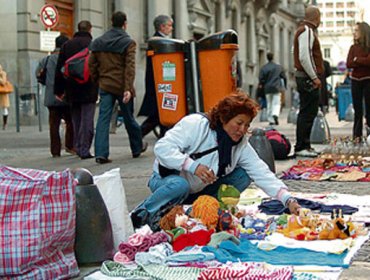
x=37, y=224
x=6, y=88
x=111, y=189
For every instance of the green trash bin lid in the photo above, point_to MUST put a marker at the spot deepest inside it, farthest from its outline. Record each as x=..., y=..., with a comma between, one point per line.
x=165, y=45
x=216, y=40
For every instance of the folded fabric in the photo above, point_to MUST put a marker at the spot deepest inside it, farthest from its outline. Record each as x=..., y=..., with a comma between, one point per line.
x=336, y=246
x=246, y=251
x=218, y=237
x=156, y=255
x=156, y=272
x=247, y=271
x=136, y=239
x=121, y=258
x=145, y=245
x=200, y=237
x=127, y=250
x=275, y=207
x=158, y=237
x=191, y=254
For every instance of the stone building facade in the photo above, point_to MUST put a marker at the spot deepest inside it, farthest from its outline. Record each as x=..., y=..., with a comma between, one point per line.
x=262, y=26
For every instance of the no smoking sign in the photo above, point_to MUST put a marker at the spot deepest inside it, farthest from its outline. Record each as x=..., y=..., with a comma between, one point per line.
x=49, y=16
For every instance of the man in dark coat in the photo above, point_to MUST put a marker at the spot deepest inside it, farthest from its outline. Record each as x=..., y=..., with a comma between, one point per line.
x=163, y=28
x=112, y=66
x=81, y=97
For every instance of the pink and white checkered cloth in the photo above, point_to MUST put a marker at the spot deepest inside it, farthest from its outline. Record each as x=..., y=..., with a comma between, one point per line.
x=37, y=224
x=247, y=271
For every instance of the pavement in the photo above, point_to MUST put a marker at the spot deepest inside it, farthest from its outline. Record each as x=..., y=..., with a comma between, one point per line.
x=29, y=148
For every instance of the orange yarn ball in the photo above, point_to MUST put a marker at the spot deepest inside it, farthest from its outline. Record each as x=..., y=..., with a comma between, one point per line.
x=206, y=209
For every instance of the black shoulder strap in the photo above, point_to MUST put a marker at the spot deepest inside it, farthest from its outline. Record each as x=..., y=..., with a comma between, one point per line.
x=46, y=61
x=206, y=152
x=202, y=154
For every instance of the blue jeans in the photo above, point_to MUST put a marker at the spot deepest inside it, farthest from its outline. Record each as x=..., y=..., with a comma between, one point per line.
x=107, y=101
x=174, y=189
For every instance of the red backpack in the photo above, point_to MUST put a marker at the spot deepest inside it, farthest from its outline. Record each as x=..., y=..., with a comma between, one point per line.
x=76, y=67
x=280, y=144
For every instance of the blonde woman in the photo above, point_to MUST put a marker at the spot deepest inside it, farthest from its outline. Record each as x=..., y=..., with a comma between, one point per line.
x=4, y=98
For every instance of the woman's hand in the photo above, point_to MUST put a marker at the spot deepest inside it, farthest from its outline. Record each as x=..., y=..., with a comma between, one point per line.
x=206, y=174
x=293, y=206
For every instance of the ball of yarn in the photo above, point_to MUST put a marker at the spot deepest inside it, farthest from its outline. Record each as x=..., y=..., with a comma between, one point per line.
x=206, y=209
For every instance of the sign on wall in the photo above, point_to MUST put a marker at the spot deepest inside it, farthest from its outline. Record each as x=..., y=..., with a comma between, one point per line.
x=47, y=40
x=49, y=16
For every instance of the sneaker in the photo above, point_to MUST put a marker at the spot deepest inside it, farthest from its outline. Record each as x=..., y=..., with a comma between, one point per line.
x=306, y=153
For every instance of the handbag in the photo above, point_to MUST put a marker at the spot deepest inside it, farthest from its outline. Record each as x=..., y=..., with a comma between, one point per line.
x=41, y=75
x=6, y=88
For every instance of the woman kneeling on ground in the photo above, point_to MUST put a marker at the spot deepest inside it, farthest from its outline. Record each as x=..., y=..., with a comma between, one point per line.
x=203, y=151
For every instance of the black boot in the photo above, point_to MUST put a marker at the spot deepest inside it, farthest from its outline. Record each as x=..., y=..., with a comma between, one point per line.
x=5, y=121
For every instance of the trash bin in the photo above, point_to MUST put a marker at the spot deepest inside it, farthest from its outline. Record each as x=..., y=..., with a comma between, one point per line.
x=217, y=56
x=344, y=98
x=28, y=105
x=169, y=78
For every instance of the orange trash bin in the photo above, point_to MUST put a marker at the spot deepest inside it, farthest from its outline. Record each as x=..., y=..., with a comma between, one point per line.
x=217, y=56
x=169, y=78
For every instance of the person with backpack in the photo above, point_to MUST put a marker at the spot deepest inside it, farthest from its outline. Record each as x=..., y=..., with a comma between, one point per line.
x=58, y=110
x=112, y=66
x=80, y=96
x=203, y=151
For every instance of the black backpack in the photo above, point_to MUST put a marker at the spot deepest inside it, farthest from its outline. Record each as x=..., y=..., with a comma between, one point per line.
x=41, y=75
x=280, y=144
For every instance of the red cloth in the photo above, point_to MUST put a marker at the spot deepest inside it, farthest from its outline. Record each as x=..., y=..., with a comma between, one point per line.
x=200, y=237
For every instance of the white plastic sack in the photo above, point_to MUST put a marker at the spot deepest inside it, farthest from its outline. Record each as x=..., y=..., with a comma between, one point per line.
x=111, y=188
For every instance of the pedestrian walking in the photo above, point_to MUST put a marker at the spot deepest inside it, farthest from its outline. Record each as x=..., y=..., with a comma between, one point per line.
x=359, y=60
x=270, y=78
x=5, y=89
x=163, y=26
x=58, y=110
x=81, y=97
x=308, y=63
x=112, y=66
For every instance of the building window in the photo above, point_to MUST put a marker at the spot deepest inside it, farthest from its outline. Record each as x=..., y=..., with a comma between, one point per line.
x=340, y=14
x=351, y=5
x=340, y=23
x=351, y=14
x=340, y=5
x=327, y=53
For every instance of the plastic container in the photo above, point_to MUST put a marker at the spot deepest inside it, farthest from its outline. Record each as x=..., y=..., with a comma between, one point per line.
x=344, y=98
x=217, y=56
x=169, y=77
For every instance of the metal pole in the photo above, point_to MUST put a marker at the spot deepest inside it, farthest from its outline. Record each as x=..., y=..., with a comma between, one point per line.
x=194, y=70
x=17, y=108
x=38, y=95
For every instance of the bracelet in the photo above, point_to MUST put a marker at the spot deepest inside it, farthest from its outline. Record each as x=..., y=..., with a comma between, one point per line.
x=289, y=201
